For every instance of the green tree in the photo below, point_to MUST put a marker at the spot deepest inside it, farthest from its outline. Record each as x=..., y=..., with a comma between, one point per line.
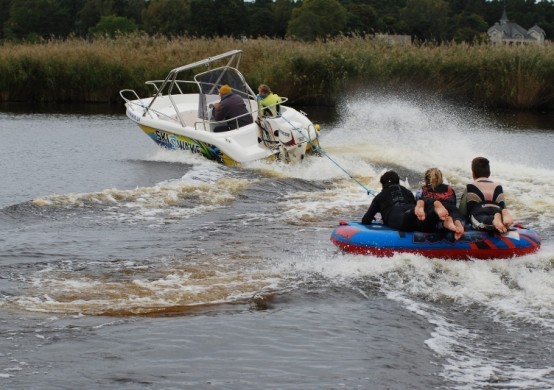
x=545, y=17
x=42, y=18
x=388, y=15
x=362, y=18
x=112, y=25
x=167, y=17
x=219, y=18
x=204, y=23
x=262, y=18
x=283, y=12
x=306, y=26
x=522, y=12
x=469, y=28
x=90, y=14
x=317, y=19
x=468, y=7
x=427, y=19
x=131, y=9
x=232, y=18
x=5, y=6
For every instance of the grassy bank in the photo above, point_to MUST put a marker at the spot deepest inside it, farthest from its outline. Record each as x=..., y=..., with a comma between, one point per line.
x=307, y=73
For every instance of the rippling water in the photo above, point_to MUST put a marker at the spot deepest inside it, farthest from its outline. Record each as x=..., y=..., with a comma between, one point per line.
x=125, y=266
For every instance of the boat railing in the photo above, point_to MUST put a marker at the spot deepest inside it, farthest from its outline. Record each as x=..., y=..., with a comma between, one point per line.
x=135, y=97
x=139, y=103
x=148, y=109
x=154, y=83
x=157, y=84
x=172, y=85
x=209, y=125
x=176, y=115
x=234, y=56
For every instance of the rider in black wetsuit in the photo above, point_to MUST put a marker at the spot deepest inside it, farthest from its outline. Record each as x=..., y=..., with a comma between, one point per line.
x=397, y=207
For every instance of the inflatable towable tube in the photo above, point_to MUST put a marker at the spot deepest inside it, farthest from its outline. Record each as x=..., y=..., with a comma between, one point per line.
x=381, y=240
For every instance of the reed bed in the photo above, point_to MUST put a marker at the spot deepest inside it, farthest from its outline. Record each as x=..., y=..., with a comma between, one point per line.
x=319, y=72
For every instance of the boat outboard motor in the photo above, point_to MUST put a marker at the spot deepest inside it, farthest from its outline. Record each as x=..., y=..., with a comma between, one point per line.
x=293, y=141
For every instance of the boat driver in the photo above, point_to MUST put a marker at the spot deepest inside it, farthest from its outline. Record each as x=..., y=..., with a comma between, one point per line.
x=232, y=108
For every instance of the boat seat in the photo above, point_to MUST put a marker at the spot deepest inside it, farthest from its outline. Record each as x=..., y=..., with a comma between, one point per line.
x=189, y=118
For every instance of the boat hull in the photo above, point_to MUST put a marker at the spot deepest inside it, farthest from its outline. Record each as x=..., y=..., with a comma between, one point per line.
x=380, y=240
x=173, y=141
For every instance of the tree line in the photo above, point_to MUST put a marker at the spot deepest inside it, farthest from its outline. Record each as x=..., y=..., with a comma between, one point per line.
x=424, y=20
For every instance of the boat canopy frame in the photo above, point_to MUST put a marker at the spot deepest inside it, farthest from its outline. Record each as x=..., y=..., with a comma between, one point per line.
x=207, y=82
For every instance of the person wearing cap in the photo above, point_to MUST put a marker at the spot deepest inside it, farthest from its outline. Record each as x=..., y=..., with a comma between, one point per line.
x=231, y=108
x=268, y=101
x=397, y=206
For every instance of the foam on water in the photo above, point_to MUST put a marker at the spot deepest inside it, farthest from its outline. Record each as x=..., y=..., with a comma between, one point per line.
x=166, y=286
x=202, y=189
x=513, y=294
x=392, y=133
x=380, y=133
x=469, y=363
x=396, y=134
x=375, y=133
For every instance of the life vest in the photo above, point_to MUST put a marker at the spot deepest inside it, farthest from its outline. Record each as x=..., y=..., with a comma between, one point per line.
x=448, y=196
x=270, y=105
x=487, y=188
x=482, y=192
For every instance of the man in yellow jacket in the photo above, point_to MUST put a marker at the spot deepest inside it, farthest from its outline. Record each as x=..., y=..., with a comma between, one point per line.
x=268, y=101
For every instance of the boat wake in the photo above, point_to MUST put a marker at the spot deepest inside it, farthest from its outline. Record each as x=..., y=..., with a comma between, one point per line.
x=282, y=200
x=379, y=133
x=457, y=298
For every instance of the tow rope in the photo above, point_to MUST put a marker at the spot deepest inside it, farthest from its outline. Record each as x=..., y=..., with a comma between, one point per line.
x=320, y=150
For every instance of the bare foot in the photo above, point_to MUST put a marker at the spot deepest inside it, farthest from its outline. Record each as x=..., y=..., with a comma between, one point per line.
x=441, y=211
x=449, y=224
x=507, y=219
x=460, y=230
x=498, y=224
x=420, y=210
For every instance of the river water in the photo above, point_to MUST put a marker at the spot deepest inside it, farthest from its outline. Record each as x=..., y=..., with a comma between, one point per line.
x=126, y=266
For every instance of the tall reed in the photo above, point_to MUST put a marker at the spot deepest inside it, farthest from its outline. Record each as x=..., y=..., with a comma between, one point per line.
x=308, y=73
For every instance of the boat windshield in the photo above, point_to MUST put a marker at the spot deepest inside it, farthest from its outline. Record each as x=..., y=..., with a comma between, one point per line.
x=210, y=81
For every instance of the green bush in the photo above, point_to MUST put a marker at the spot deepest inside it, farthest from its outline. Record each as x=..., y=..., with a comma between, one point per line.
x=316, y=73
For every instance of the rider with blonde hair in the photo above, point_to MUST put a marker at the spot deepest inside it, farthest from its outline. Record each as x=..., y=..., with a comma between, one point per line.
x=397, y=207
x=434, y=190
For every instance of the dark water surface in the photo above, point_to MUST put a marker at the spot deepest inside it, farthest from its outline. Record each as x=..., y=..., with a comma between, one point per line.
x=125, y=266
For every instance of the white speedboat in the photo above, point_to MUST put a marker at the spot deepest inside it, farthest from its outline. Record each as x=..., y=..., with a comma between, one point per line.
x=178, y=116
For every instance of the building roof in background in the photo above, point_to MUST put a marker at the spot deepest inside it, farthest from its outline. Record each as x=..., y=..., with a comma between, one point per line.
x=506, y=30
